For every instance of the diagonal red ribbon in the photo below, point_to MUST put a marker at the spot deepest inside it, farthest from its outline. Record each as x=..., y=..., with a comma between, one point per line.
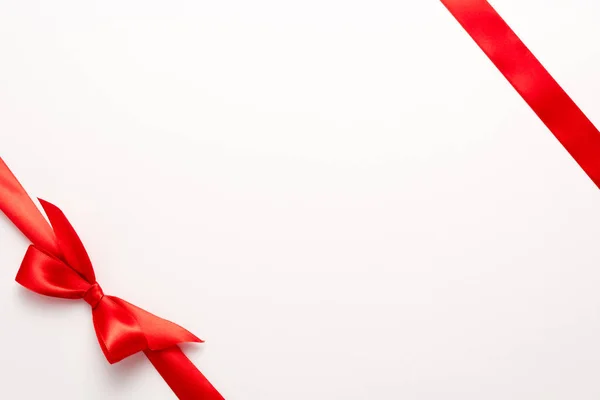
x=57, y=265
x=535, y=85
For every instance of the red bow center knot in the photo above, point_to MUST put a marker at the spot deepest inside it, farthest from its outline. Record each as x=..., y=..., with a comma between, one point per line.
x=94, y=295
x=58, y=265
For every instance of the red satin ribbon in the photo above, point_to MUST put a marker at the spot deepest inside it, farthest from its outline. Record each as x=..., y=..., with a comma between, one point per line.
x=57, y=265
x=527, y=75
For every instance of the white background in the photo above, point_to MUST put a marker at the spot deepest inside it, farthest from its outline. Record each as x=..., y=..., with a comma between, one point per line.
x=344, y=198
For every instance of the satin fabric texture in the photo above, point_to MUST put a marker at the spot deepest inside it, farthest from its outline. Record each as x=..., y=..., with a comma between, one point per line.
x=56, y=264
x=532, y=81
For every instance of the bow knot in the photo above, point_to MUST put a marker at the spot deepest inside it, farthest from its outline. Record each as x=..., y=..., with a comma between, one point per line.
x=57, y=265
x=93, y=295
x=60, y=267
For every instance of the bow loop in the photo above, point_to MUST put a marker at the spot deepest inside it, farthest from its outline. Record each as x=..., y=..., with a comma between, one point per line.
x=124, y=329
x=47, y=275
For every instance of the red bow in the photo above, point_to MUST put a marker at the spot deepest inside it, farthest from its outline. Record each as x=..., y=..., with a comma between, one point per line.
x=57, y=265
x=122, y=328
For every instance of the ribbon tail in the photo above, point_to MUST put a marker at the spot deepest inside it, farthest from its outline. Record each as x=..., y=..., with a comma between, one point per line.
x=182, y=376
